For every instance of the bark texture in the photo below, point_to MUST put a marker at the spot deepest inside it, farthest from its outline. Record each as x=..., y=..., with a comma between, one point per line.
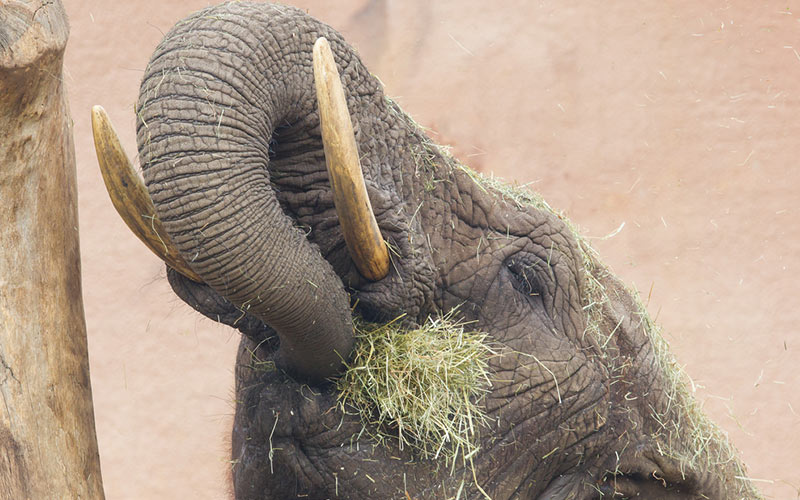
x=48, y=446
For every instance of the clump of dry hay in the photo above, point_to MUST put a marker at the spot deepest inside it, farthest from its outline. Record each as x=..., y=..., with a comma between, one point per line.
x=420, y=385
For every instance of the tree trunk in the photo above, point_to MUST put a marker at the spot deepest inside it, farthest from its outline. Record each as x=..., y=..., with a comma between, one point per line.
x=48, y=447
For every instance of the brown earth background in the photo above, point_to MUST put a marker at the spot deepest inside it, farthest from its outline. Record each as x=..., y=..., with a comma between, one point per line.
x=680, y=120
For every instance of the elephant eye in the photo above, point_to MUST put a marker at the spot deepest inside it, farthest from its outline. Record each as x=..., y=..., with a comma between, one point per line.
x=524, y=276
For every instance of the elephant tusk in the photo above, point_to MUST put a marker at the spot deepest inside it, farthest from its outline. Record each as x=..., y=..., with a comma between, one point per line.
x=130, y=197
x=364, y=241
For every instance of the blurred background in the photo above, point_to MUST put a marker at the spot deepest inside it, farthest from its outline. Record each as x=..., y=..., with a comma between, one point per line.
x=668, y=131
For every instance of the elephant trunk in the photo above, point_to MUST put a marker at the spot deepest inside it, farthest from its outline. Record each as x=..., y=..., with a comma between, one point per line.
x=207, y=121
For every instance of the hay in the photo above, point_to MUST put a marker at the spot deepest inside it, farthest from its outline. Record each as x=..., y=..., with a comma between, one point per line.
x=421, y=386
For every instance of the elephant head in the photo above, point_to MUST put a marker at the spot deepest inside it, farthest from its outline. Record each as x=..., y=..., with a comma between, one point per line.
x=585, y=400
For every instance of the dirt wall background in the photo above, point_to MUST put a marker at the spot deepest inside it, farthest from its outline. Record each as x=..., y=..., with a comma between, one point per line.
x=679, y=119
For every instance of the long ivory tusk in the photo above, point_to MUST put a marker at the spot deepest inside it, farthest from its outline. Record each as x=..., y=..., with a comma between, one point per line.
x=361, y=233
x=130, y=197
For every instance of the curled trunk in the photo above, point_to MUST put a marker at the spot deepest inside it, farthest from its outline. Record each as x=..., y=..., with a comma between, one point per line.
x=210, y=116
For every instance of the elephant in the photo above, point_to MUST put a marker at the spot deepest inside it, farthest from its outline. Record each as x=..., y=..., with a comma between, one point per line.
x=585, y=400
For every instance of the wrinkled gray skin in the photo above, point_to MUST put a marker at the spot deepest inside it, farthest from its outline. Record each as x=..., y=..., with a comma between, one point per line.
x=230, y=145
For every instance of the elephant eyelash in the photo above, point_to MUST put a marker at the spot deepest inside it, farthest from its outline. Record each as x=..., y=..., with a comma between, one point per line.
x=524, y=277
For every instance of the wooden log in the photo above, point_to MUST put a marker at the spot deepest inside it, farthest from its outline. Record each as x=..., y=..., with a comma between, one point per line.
x=48, y=446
